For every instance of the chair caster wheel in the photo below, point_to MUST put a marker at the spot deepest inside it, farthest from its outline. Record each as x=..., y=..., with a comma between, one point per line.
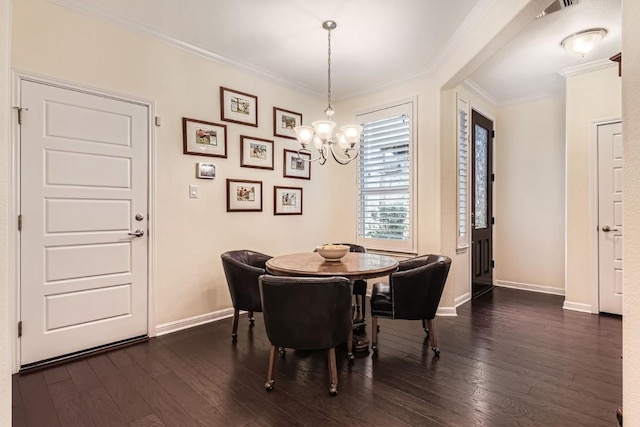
x=377, y=328
x=269, y=385
x=234, y=337
x=252, y=322
x=374, y=348
x=351, y=357
x=282, y=351
x=333, y=389
x=436, y=351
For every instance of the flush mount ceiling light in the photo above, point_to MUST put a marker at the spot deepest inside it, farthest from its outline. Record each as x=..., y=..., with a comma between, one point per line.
x=583, y=42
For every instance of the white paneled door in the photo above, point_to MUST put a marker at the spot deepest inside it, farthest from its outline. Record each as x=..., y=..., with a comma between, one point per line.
x=83, y=201
x=610, y=163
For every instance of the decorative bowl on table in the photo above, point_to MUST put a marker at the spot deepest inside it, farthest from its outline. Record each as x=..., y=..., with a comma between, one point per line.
x=332, y=252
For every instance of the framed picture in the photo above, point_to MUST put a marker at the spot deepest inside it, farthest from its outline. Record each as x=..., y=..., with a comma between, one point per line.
x=244, y=195
x=204, y=138
x=238, y=107
x=284, y=121
x=287, y=200
x=256, y=152
x=295, y=165
x=205, y=170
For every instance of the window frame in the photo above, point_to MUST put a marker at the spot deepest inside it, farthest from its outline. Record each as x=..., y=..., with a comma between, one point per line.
x=463, y=136
x=408, y=106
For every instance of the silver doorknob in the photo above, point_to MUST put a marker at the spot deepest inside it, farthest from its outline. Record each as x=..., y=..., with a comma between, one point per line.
x=137, y=233
x=607, y=229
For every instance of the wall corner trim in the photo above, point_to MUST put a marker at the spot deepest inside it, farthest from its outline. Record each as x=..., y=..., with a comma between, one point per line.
x=576, y=306
x=190, y=322
x=530, y=287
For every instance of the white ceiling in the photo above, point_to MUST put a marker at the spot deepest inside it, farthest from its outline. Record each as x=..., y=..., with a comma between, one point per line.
x=377, y=42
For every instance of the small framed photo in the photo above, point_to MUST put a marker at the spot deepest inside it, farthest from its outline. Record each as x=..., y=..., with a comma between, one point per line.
x=284, y=121
x=297, y=165
x=204, y=138
x=287, y=200
x=205, y=170
x=238, y=107
x=244, y=195
x=256, y=152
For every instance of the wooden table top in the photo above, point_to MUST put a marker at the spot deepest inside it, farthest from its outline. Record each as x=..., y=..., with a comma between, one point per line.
x=353, y=266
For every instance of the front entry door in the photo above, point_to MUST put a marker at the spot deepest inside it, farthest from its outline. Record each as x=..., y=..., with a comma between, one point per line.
x=481, y=211
x=83, y=181
x=610, y=166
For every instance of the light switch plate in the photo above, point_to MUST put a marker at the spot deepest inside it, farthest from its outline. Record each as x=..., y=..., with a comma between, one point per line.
x=193, y=191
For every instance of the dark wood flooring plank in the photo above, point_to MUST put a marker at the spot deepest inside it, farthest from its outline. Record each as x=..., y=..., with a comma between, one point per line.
x=120, y=357
x=160, y=402
x=72, y=410
x=17, y=411
x=148, y=421
x=55, y=374
x=36, y=401
x=82, y=375
x=102, y=408
x=143, y=356
x=128, y=401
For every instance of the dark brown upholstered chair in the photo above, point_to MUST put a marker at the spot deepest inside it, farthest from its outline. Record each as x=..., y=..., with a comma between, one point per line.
x=325, y=324
x=413, y=293
x=242, y=269
x=359, y=286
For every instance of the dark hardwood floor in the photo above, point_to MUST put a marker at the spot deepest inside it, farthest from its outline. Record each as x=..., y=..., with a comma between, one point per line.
x=510, y=358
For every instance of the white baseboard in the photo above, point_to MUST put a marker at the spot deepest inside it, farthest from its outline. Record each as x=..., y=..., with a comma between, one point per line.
x=576, y=306
x=446, y=311
x=462, y=299
x=530, y=287
x=178, y=325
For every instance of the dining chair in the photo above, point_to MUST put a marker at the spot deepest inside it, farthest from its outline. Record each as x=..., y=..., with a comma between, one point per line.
x=325, y=324
x=413, y=293
x=242, y=269
x=359, y=286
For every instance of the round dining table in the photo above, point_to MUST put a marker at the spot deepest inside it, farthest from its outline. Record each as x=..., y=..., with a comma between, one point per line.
x=353, y=266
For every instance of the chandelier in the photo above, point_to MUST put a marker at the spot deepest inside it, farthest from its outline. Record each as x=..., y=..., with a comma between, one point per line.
x=345, y=146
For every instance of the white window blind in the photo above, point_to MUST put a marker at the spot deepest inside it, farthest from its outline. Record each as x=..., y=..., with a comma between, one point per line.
x=385, y=214
x=463, y=172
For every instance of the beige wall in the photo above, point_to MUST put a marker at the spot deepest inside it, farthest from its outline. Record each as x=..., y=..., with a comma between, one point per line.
x=631, y=219
x=590, y=97
x=190, y=233
x=5, y=367
x=529, y=195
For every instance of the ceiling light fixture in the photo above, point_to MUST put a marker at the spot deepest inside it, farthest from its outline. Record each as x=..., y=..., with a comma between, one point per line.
x=346, y=142
x=583, y=42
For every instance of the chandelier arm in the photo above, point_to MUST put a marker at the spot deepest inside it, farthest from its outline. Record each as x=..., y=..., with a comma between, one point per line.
x=341, y=161
x=305, y=151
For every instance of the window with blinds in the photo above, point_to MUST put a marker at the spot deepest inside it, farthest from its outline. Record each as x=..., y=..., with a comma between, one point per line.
x=385, y=179
x=463, y=173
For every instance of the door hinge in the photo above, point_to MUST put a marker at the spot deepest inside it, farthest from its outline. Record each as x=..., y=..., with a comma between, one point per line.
x=493, y=220
x=493, y=177
x=493, y=264
x=20, y=109
x=19, y=222
x=493, y=134
x=19, y=329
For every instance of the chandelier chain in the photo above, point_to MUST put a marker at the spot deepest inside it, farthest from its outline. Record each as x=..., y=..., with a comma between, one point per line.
x=329, y=70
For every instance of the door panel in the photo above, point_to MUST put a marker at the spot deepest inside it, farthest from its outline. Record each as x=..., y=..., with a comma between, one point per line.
x=83, y=165
x=481, y=192
x=610, y=231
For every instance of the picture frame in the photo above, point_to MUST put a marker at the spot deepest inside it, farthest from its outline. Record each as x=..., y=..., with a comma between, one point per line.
x=256, y=152
x=295, y=167
x=244, y=195
x=238, y=107
x=284, y=121
x=201, y=138
x=205, y=170
x=287, y=200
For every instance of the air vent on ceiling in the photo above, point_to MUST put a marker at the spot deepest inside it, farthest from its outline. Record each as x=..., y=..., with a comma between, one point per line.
x=556, y=6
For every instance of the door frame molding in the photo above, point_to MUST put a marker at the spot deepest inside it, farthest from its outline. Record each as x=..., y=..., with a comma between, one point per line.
x=593, y=210
x=18, y=76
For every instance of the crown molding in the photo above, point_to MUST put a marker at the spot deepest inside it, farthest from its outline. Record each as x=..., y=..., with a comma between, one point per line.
x=586, y=68
x=478, y=91
x=528, y=98
x=137, y=27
